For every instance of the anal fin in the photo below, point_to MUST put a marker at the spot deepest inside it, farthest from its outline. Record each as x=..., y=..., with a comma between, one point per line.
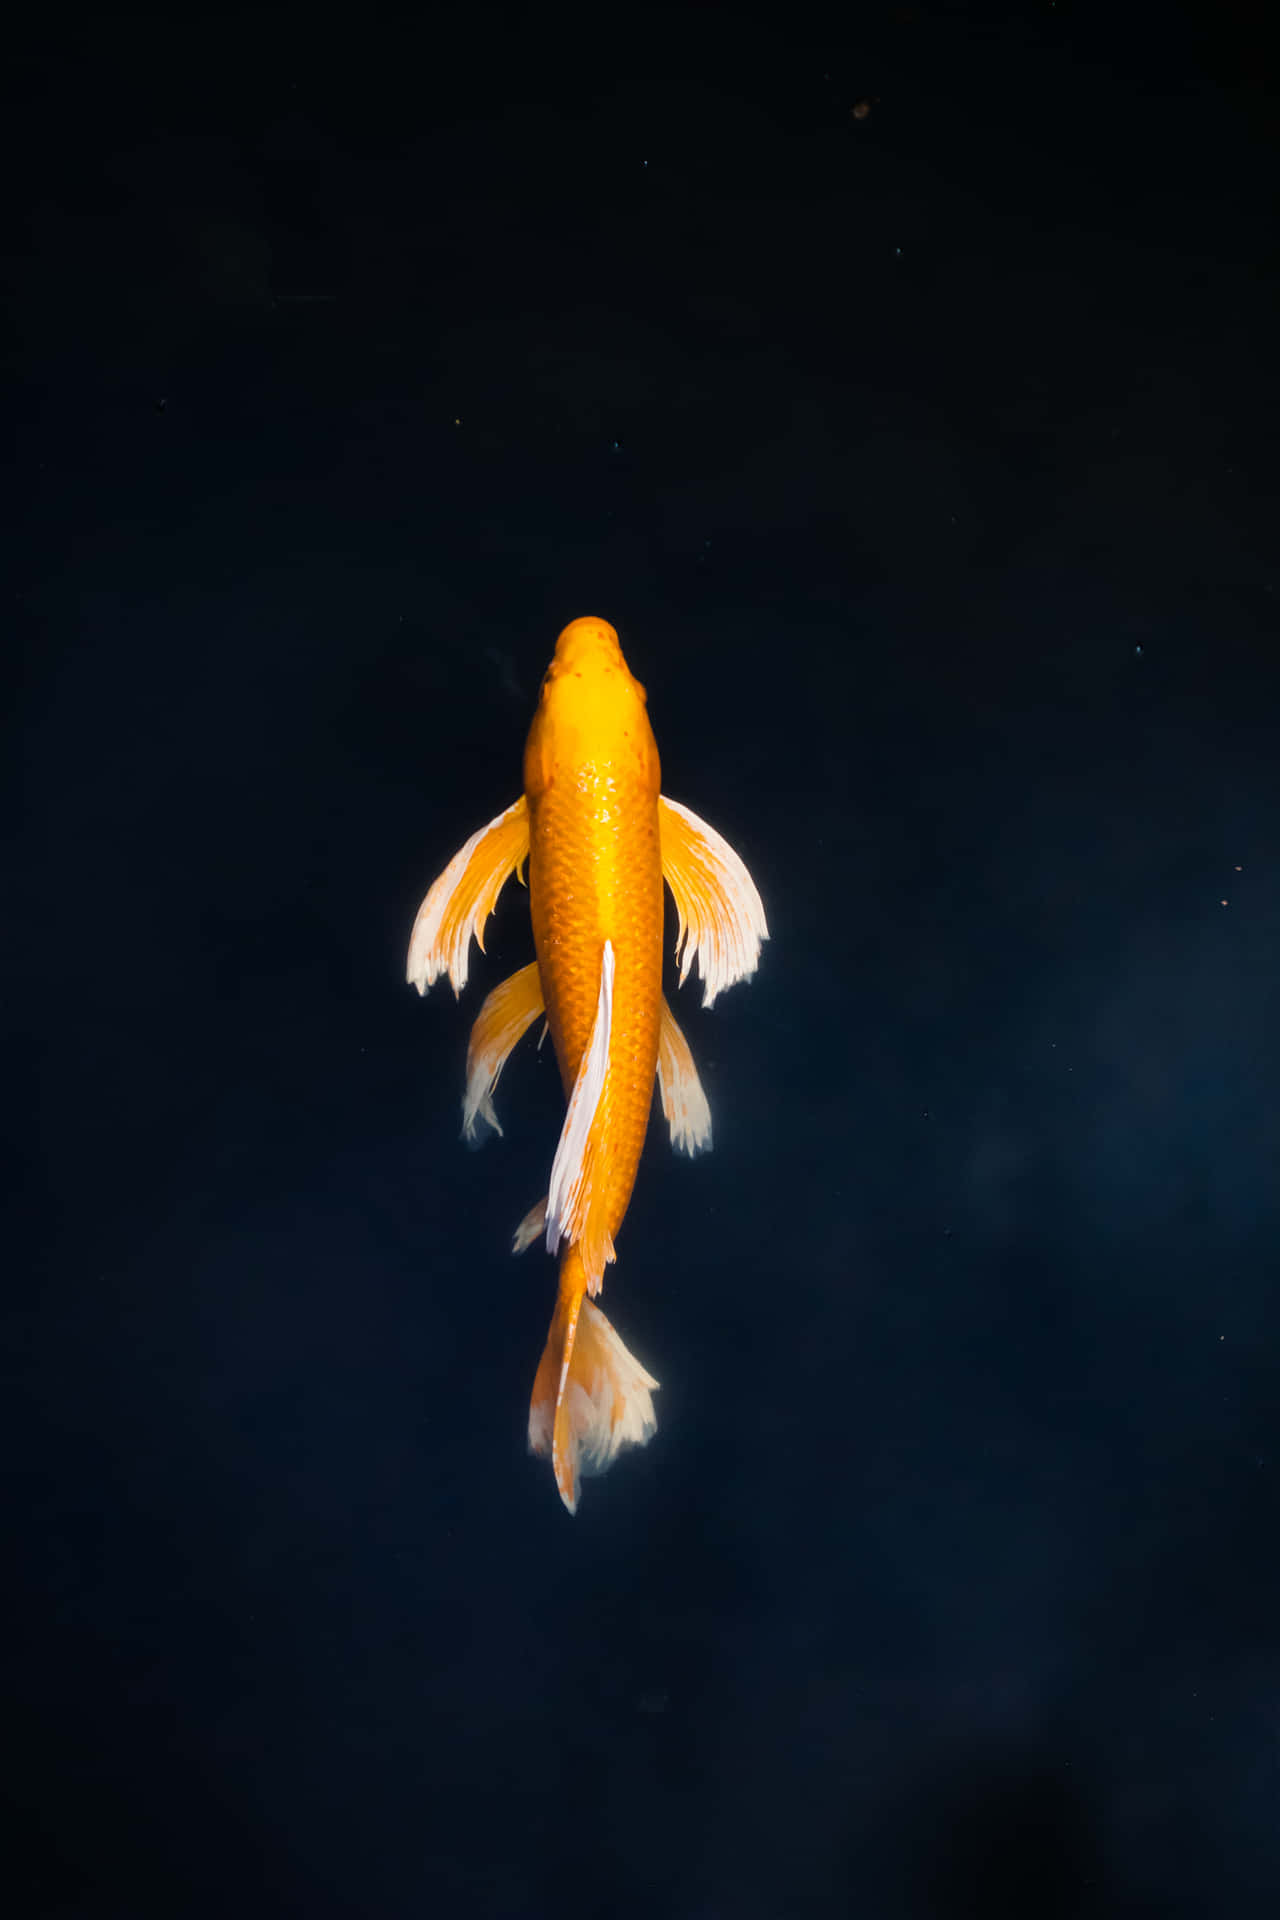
x=531, y=1228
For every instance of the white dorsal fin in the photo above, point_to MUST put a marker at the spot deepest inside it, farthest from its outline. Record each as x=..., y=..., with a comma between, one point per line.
x=568, y=1191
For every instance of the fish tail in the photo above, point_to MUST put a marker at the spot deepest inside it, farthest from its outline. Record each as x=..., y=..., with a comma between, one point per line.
x=591, y=1396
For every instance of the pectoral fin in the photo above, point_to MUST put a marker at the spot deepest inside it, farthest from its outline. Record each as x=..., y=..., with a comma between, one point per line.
x=462, y=899
x=684, y=1105
x=721, y=916
x=507, y=1013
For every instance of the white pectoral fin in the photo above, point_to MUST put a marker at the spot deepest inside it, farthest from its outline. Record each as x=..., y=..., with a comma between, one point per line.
x=463, y=897
x=720, y=914
x=684, y=1105
x=569, y=1191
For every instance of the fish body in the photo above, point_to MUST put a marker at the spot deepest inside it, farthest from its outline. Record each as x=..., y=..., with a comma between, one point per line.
x=600, y=840
x=592, y=779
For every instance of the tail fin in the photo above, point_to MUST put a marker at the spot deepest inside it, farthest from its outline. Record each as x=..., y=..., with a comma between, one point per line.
x=590, y=1398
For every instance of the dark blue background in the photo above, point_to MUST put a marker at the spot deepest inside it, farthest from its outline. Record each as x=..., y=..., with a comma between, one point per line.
x=925, y=463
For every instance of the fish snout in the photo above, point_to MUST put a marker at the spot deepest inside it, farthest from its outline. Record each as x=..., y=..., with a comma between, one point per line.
x=588, y=642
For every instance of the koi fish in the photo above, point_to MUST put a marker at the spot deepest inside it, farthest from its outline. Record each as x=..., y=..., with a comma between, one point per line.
x=600, y=840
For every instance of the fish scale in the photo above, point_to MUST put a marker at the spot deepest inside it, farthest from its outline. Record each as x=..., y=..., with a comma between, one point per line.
x=595, y=873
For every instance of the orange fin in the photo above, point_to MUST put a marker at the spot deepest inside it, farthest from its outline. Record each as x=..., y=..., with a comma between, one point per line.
x=506, y=1014
x=463, y=897
x=684, y=1105
x=720, y=913
x=571, y=1215
x=591, y=1397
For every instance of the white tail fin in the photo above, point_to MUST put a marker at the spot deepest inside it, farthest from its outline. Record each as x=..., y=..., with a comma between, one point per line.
x=591, y=1397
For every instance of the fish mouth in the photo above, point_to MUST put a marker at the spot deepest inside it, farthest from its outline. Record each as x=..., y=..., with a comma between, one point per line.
x=588, y=641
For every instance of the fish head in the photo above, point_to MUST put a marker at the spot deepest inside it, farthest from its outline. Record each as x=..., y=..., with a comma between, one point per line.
x=591, y=708
x=587, y=646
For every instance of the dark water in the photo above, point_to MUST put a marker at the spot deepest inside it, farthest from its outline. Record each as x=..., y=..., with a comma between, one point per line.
x=924, y=461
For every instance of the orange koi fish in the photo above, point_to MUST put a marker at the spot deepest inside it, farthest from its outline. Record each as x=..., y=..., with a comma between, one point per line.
x=600, y=840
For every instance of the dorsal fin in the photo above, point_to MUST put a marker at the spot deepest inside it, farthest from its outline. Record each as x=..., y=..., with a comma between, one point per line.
x=573, y=1205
